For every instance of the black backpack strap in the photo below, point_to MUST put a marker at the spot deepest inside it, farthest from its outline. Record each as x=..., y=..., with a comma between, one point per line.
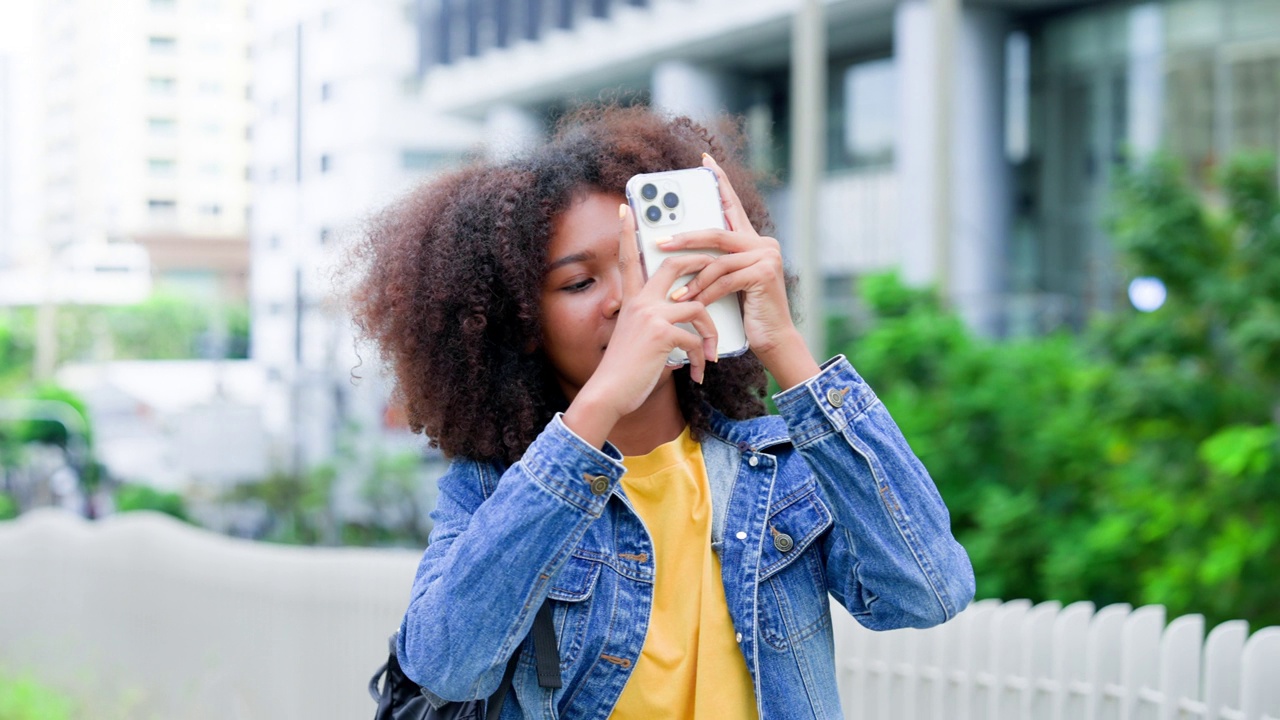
x=545, y=648
x=493, y=708
x=546, y=653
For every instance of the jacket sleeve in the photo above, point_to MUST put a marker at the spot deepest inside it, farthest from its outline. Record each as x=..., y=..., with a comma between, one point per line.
x=890, y=557
x=489, y=563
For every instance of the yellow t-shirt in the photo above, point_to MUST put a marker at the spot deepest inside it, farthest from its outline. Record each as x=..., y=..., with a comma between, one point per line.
x=690, y=665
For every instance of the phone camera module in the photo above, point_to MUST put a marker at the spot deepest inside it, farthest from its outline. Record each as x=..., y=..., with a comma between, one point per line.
x=671, y=200
x=649, y=191
x=653, y=213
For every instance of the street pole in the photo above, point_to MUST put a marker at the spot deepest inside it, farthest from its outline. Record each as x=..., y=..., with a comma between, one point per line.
x=946, y=15
x=808, y=151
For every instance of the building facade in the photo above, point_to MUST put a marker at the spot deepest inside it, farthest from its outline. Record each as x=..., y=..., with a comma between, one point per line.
x=340, y=129
x=1045, y=99
x=144, y=124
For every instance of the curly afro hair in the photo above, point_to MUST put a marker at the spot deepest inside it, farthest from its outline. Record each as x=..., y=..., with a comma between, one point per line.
x=449, y=281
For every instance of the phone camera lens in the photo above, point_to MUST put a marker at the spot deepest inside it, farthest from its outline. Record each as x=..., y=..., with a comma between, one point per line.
x=670, y=200
x=649, y=191
x=654, y=213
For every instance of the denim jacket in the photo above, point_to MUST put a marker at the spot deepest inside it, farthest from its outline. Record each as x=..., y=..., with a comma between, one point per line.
x=825, y=498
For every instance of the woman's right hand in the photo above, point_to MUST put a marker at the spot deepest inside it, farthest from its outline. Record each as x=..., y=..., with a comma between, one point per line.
x=645, y=334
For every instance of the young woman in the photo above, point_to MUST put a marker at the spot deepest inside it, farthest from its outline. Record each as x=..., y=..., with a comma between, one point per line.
x=687, y=542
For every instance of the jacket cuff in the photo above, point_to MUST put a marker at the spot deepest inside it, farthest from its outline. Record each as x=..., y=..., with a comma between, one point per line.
x=572, y=468
x=826, y=402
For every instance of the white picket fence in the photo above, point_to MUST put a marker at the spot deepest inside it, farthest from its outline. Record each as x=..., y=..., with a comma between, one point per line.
x=999, y=661
x=141, y=617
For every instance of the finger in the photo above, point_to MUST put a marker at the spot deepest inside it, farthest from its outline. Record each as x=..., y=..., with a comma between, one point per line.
x=733, y=211
x=724, y=266
x=628, y=254
x=696, y=315
x=692, y=346
x=733, y=283
x=728, y=241
x=672, y=269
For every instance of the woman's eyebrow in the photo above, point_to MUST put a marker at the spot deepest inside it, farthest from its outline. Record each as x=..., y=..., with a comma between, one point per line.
x=583, y=256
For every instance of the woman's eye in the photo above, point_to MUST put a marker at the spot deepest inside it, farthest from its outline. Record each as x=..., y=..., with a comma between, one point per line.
x=578, y=286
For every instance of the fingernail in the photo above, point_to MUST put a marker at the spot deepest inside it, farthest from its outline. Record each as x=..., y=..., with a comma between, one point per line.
x=622, y=211
x=664, y=241
x=708, y=156
x=715, y=355
x=680, y=292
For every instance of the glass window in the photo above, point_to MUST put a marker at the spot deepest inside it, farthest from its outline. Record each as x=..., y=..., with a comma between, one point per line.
x=1189, y=110
x=162, y=127
x=418, y=160
x=162, y=45
x=868, y=113
x=1250, y=18
x=162, y=85
x=162, y=167
x=1189, y=23
x=1255, y=96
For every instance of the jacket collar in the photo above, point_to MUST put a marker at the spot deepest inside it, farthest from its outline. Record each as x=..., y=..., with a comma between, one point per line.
x=756, y=434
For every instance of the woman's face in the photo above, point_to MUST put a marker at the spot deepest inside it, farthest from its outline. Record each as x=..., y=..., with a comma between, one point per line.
x=582, y=289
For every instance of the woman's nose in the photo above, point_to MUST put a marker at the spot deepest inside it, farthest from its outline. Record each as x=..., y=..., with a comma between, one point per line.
x=613, y=299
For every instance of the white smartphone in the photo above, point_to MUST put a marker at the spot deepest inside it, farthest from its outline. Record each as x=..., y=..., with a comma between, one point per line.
x=667, y=203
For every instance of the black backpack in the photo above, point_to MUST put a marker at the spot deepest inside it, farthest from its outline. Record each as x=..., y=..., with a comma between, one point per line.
x=401, y=699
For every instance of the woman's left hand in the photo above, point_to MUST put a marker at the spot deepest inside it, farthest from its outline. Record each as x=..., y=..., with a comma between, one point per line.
x=751, y=265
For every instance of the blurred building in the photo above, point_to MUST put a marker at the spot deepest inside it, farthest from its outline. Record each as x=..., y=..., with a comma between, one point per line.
x=20, y=135
x=7, y=147
x=1048, y=98
x=340, y=130
x=144, y=134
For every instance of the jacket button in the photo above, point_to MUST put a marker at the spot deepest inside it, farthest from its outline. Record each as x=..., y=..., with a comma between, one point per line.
x=783, y=542
x=754, y=461
x=599, y=485
x=835, y=397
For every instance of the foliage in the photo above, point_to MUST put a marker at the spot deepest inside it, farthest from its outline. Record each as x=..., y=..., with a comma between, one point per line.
x=391, y=489
x=299, y=505
x=8, y=507
x=23, y=698
x=130, y=497
x=1139, y=462
x=166, y=326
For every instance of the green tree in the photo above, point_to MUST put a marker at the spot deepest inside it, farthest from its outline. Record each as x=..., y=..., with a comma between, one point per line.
x=1139, y=462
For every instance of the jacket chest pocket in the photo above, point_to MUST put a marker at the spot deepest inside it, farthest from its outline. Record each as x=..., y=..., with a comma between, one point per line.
x=793, y=587
x=570, y=596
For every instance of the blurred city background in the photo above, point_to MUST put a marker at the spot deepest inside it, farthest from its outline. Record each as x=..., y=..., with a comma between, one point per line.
x=1046, y=231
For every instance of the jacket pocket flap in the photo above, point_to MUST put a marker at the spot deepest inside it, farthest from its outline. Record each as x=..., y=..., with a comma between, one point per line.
x=576, y=580
x=791, y=530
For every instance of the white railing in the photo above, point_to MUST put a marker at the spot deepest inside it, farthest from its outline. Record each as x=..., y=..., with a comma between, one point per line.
x=140, y=616
x=998, y=661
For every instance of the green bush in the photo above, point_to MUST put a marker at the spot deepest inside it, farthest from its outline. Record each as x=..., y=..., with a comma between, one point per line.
x=8, y=507
x=1137, y=462
x=142, y=497
x=23, y=698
